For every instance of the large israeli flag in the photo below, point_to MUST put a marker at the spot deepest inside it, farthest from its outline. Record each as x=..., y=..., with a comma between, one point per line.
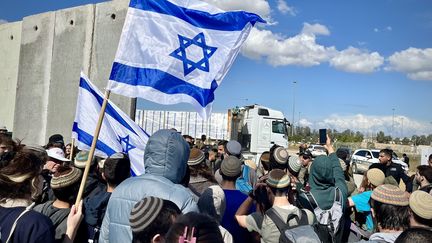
x=177, y=51
x=118, y=133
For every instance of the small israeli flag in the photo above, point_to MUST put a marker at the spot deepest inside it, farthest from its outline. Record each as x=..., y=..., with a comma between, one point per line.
x=118, y=133
x=177, y=51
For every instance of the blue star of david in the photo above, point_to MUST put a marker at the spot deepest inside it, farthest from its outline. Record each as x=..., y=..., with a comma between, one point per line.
x=127, y=146
x=189, y=65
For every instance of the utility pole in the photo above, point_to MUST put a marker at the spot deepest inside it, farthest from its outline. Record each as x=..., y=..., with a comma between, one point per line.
x=293, y=112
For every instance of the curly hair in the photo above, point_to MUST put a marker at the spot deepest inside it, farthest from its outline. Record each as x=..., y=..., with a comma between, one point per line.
x=203, y=170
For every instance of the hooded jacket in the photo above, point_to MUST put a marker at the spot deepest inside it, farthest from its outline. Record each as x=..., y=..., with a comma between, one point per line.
x=165, y=161
x=325, y=175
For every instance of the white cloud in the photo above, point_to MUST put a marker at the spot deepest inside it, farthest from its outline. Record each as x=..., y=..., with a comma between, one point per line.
x=285, y=9
x=315, y=29
x=376, y=30
x=3, y=21
x=370, y=125
x=416, y=63
x=303, y=50
x=260, y=7
x=357, y=61
x=300, y=50
x=389, y=28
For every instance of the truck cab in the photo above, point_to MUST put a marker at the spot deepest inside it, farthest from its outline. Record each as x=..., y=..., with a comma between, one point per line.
x=257, y=128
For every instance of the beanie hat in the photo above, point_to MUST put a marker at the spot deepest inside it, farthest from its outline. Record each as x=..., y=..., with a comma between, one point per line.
x=81, y=159
x=280, y=155
x=196, y=156
x=234, y=148
x=144, y=213
x=294, y=164
x=420, y=203
x=212, y=202
x=65, y=176
x=375, y=176
x=342, y=164
x=390, y=194
x=231, y=166
x=277, y=178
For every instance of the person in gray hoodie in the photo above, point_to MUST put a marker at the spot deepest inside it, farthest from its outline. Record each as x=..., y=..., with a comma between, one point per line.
x=165, y=161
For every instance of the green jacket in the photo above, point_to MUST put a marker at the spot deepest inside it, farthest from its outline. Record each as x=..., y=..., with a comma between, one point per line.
x=325, y=175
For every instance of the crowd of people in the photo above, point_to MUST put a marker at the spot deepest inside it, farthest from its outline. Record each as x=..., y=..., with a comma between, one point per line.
x=201, y=192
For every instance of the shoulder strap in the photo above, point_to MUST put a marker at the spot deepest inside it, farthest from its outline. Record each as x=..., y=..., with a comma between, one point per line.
x=311, y=200
x=275, y=218
x=16, y=221
x=304, y=218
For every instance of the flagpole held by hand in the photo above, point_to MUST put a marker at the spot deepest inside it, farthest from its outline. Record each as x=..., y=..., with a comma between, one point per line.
x=72, y=148
x=93, y=146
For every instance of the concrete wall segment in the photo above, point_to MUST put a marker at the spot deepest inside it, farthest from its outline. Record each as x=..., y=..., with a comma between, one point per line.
x=34, y=75
x=73, y=34
x=10, y=44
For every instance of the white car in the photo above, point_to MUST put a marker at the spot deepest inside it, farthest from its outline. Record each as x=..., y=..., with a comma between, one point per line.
x=363, y=158
x=317, y=150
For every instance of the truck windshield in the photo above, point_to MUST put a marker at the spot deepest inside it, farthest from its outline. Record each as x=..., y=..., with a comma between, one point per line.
x=278, y=127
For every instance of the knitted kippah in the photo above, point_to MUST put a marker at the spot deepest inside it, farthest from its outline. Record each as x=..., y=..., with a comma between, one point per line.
x=231, y=166
x=65, y=176
x=280, y=155
x=144, y=213
x=294, y=164
x=196, y=156
x=375, y=176
x=277, y=178
x=420, y=203
x=81, y=159
x=390, y=194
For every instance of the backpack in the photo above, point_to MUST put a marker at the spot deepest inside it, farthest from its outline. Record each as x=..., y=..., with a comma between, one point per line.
x=329, y=222
x=302, y=232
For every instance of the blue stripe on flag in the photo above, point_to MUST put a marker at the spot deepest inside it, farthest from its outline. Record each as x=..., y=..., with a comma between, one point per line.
x=109, y=109
x=87, y=139
x=161, y=81
x=227, y=21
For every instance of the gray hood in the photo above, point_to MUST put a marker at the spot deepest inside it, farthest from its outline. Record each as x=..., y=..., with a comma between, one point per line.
x=166, y=154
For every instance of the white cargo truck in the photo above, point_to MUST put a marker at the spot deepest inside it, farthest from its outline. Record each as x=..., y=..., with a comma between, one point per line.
x=257, y=128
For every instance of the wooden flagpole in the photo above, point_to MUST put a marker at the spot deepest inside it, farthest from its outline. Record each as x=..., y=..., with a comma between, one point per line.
x=93, y=147
x=72, y=149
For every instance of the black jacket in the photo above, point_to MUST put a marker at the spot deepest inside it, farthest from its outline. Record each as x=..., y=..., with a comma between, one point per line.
x=396, y=171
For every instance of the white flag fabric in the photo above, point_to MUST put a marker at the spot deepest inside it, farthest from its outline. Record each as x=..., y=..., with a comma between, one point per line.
x=174, y=51
x=118, y=133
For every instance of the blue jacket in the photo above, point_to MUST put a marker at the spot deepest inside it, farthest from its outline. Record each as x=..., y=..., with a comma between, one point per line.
x=165, y=161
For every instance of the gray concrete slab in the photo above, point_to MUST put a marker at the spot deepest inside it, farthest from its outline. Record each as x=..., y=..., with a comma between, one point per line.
x=109, y=19
x=72, y=43
x=10, y=44
x=34, y=75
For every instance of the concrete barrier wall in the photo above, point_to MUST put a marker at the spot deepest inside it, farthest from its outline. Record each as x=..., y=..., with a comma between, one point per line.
x=10, y=42
x=43, y=70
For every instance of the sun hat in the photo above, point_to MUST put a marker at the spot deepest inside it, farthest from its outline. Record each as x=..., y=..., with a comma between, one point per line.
x=231, y=166
x=420, y=203
x=144, y=213
x=196, y=156
x=390, y=194
x=57, y=153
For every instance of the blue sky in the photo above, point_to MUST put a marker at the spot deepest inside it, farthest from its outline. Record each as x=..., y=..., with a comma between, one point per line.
x=353, y=61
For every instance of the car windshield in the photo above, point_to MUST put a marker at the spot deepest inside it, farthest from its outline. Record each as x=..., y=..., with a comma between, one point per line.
x=375, y=154
x=278, y=127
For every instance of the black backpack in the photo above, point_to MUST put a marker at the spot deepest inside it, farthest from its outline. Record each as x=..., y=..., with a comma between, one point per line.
x=302, y=232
